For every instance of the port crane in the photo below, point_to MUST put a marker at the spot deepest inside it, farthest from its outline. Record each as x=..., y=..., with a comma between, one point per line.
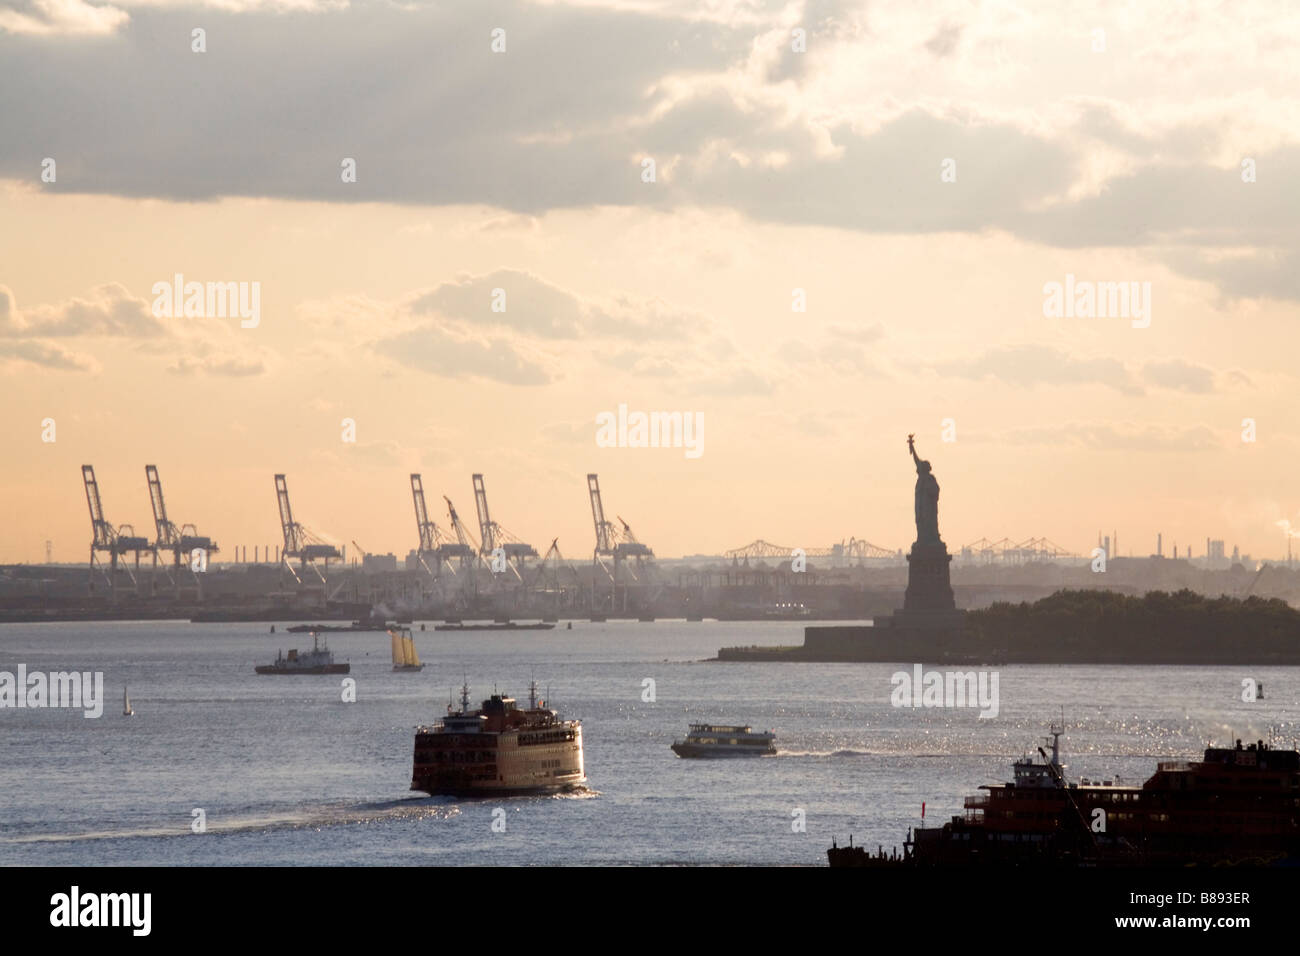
x=493, y=536
x=1012, y=552
x=464, y=544
x=611, y=542
x=299, y=542
x=434, y=543
x=426, y=529
x=116, y=542
x=547, y=579
x=181, y=541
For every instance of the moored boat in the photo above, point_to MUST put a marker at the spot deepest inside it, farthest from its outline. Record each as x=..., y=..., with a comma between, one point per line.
x=318, y=660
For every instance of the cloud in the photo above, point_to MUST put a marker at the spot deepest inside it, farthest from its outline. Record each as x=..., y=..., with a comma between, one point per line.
x=385, y=453
x=842, y=349
x=1030, y=365
x=865, y=334
x=699, y=93
x=1108, y=436
x=568, y=432
x=433, y=349
x=60, y=17
x=47, y=356
x=945, y=39
x=531, y=305
x=1180, y=375
x=535, y=307
x=1249, y=273
x=109, y=310
x=229, y=365
x=735, y=383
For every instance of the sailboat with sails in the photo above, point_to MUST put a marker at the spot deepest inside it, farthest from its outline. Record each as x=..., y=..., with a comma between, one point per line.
x=126, y=703
x=404, y=656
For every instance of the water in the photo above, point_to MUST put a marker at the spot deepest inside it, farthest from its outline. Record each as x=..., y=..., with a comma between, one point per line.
x=289, y=774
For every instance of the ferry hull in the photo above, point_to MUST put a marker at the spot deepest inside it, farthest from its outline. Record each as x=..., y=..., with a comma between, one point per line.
x=698, y=751
x=459, y=787
x=327, y=669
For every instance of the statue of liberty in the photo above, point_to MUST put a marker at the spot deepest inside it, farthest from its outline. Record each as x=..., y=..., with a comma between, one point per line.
x=927, y=498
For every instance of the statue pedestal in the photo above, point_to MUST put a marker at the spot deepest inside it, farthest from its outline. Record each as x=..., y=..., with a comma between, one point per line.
x=928, y=604
x=929, y=587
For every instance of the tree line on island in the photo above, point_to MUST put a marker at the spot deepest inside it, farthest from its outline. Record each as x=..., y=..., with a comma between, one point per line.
x=1097, y=626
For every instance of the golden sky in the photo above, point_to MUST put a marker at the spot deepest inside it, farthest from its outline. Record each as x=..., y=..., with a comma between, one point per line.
x=776, y=170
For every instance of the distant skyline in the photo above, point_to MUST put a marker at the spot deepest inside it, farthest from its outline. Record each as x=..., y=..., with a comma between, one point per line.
x=922, y=181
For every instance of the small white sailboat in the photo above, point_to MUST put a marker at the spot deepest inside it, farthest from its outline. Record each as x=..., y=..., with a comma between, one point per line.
x=126, y=703
x=404, y=656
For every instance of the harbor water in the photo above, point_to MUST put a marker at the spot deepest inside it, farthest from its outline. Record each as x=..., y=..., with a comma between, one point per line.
x=282, y=770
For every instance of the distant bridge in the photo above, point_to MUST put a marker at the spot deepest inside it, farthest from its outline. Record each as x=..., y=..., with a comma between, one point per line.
x=852, y=549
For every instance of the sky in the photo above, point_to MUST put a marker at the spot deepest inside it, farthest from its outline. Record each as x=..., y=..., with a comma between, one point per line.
x=856, y=213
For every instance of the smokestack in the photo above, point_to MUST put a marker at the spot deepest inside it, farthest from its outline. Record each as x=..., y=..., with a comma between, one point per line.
x=1106, y=547
x=1160, y=550
x=256, y=553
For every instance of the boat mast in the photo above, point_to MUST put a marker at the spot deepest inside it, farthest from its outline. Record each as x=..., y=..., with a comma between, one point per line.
x=1056, y=730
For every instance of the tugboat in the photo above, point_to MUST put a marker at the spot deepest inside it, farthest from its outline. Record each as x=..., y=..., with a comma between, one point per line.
x=1235, y=806
x=499, y=749
x=404, y=656
x=718, y=740
x=318, y=660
